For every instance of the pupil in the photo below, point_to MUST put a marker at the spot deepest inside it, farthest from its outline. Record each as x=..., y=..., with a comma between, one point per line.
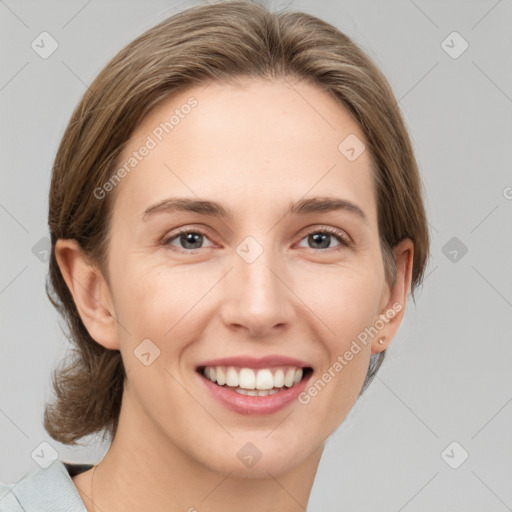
x=320, y=237
x=189, y=238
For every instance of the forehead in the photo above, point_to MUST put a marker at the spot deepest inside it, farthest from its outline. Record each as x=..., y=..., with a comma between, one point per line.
x=248, y=142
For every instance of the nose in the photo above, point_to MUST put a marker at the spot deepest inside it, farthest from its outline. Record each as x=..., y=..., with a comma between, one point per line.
x=257, y=297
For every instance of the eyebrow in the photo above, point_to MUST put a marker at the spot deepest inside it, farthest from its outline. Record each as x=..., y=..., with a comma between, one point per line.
x=215, y=209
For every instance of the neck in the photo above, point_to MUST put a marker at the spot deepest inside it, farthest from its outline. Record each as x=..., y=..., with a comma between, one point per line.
x=144, y=470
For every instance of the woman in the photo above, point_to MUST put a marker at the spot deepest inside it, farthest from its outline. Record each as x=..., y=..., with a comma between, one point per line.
x=236, y=222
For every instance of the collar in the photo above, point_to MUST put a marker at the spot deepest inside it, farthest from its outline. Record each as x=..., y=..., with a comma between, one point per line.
x=51, y=489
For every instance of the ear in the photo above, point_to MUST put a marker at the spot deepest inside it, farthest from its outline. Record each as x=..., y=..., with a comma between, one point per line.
x=90, y=292
x=394, y=301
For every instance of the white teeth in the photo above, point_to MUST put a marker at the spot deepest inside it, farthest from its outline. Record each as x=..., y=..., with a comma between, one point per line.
x=212, y=375
x=264, y=380
x=232, y=377
x=279, y=378
x=288, y=379
x=247, y=378
x=221, y=377
x=262, y=392
x=251, y=382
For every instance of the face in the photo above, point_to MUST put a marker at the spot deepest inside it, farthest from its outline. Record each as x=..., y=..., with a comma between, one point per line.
x=258, y=289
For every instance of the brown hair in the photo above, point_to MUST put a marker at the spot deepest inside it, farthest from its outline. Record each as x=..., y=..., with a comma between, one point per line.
x=217, y=41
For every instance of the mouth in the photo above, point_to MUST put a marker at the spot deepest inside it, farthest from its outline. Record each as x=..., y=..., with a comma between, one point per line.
x=256, y=382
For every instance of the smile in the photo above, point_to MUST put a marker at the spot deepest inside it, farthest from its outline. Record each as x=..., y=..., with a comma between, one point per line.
x=251, y=385
x=255, y=382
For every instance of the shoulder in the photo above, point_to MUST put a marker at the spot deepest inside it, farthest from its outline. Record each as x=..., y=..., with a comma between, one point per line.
x=8, y=501
x=44, y=490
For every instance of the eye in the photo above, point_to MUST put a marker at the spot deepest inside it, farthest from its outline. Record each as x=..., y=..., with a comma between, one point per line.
x=190, y=239
x=321, y=238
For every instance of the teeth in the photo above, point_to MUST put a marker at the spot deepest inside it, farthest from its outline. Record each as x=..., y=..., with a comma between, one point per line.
x=251, y=392
x=232, y=377
x=289, y=378
x=279, y=378
x=211, y=374
x=251, y=382
x=247, y=379
x=264, y=380
x=220, y=375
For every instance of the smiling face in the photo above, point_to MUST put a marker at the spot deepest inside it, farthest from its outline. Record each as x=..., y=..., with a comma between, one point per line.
x=267, y=279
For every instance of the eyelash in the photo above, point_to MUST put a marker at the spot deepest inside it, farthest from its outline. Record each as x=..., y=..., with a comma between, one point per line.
x=340, y=235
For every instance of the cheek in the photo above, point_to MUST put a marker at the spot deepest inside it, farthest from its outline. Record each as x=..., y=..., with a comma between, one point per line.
x=335, y=386
x=160, y=302
x=348, y=306
x=349, y=300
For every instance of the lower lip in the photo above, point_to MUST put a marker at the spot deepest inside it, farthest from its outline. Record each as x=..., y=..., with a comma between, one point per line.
x=255, y=405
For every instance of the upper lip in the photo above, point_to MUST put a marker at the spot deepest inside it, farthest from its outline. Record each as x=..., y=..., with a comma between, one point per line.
x=256, y=362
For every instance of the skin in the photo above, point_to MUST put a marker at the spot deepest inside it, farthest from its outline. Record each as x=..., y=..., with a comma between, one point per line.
x=273, y=143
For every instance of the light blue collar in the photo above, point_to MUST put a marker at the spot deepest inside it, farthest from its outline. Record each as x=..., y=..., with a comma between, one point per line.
x=49, y=490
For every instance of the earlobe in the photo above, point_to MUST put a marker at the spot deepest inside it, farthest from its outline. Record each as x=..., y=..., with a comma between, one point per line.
x=393, y=312
x=90, y=292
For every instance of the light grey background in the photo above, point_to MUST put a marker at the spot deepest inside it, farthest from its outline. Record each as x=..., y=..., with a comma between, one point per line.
x=447, y=377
